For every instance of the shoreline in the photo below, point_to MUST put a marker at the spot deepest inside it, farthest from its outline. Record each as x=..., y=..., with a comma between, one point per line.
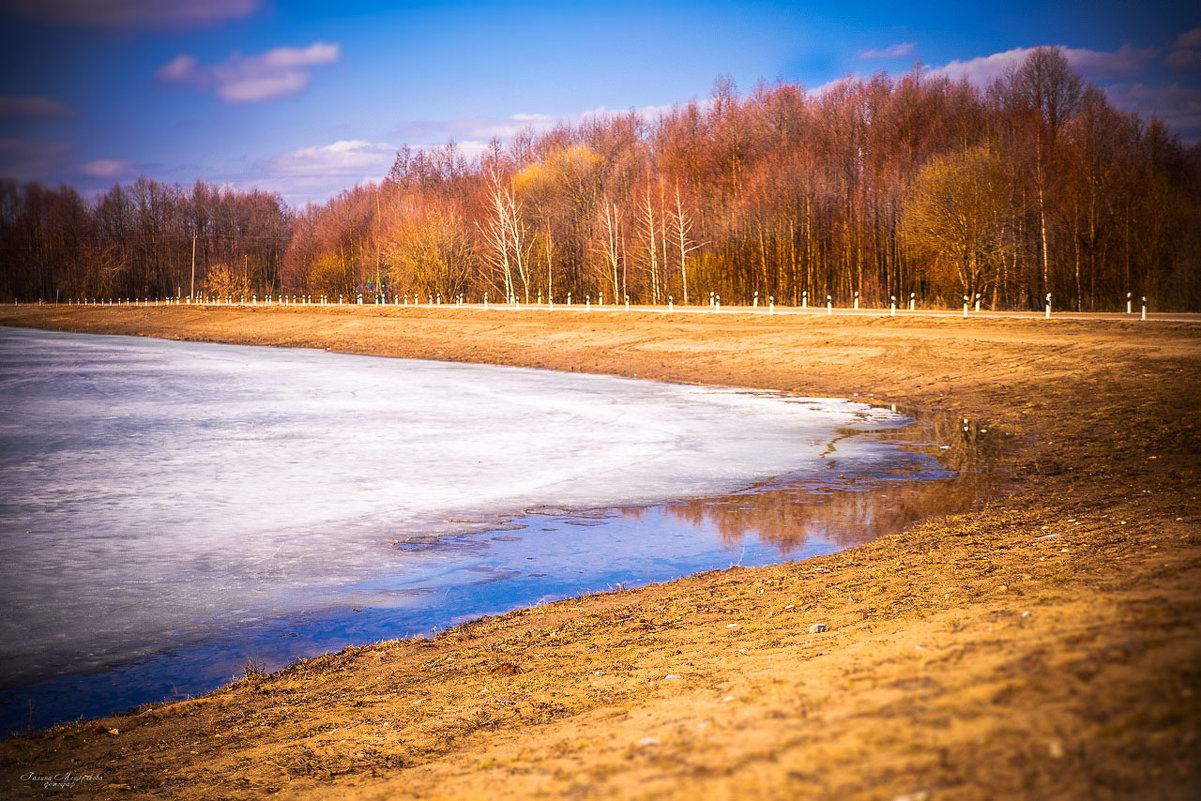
x=1045, y=644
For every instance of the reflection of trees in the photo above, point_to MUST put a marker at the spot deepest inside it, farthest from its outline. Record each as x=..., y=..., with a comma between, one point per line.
x=790, y=515
x=958, y=443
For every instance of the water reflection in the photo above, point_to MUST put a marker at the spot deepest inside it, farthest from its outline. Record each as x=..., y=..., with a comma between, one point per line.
x=791, y=514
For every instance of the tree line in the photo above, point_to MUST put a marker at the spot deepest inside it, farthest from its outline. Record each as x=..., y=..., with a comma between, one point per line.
x=878, y=189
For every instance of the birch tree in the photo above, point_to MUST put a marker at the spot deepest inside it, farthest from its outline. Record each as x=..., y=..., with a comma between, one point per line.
x=681, y=225
x=612, y=245
x=649, y=226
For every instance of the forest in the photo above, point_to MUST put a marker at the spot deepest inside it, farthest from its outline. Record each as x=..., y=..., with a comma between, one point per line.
x=873, y=188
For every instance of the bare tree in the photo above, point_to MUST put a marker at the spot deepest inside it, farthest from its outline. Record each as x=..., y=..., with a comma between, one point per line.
x=682, y=233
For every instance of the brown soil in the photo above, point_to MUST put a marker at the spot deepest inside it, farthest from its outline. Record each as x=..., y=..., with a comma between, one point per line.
x=1043, y=645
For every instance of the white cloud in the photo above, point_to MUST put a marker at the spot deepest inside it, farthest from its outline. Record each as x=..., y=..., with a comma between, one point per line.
x=314, y=174
x=277, y=73
x=12, y=107
x=256, y=88
x=348, y=158
x=109, y=169
x=818, y=91
x=982, y=70
x=290, y=58
x=125, y=14
x=892, y=51
x=1186, y=51
x=1095, y=65
x=180, y=68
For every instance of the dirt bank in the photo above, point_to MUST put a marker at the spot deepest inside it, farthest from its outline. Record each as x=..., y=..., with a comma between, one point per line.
x=1044, y=645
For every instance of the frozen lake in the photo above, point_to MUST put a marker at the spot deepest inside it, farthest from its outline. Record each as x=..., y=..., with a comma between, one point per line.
x=172, y=509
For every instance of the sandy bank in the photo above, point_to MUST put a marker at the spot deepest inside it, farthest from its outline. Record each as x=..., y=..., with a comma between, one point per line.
x=1044, y=645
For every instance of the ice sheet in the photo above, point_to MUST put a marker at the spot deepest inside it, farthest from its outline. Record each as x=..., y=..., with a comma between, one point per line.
x=153, y=489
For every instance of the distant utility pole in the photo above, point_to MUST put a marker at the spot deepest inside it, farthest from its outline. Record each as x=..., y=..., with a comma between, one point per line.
x=192, y=291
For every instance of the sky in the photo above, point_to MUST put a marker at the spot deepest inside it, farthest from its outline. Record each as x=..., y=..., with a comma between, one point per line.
x=310, y=98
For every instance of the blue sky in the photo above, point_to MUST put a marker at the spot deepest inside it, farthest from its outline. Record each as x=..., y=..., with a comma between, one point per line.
x=309, y=98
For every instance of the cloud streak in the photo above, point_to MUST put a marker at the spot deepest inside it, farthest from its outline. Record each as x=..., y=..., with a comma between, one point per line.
x=281, y=72
x=345, y=158
x=892, y=51
x=109, y=169
x=131, y=14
